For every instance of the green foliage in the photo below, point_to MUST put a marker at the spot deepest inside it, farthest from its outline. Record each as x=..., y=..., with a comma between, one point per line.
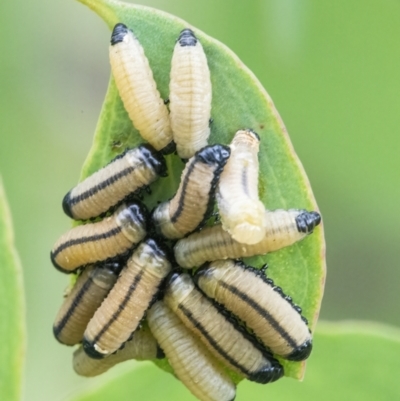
x=12, y=309
x=239, y=101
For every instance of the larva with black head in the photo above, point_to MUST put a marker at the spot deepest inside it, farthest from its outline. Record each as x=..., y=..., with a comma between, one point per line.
x=143, y=346
x=89, y=291
x=125, y=306
x=193, y=201
x=190, y=95
x=241, y=211
x=96, y=242
x=193, y=365
x=273, y=319
x=123, y=176
x=283, y=228
x=225, y=341
x=137, y=88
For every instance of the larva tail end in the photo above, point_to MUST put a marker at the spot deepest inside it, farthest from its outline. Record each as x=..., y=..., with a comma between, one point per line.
x=268, y=374
x=307, y=221
x=302, y=352
x=57, y=266
x=90, y=350
x=187, y=38
x=66, y=205
x=118, y=33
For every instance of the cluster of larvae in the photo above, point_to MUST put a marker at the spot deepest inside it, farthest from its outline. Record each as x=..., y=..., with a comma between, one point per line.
x=169, y=283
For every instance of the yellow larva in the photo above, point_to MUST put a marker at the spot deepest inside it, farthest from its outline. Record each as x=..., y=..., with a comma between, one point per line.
x=123, y=176
x=96, y=242
x=89, y=291
x=123, y=309
x=194, y=199
x=217, y=333
x=263, y=307
x=242, y=213
x=284, y=227
x=137, y=88
x=192, y=363
x=141, y=347
x=190, y=95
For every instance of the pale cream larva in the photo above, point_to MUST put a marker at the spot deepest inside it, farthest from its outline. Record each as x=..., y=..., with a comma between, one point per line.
x=141, y=347
x=190, y=95
x=192, y=363
x=242, y=213
x=137, y=88
x=284, y=228
x=264, y=308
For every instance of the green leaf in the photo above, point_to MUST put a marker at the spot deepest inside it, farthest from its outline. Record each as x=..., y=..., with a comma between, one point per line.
x=355, y=361
x=239, y=101
x=12, y=309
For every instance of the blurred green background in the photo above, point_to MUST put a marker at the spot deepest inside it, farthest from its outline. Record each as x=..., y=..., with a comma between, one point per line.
x=333, y=71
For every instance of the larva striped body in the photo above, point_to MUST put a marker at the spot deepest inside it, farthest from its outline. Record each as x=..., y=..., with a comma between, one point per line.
x=284, y=227
x=123, y=309
x=242, y=213
x=191, y=362
x=143, y=346
x=89, y=291
x=137, y=88
x=190, y=95
x=97, y=242
x=194, y=199
x=263, y=307
x=123, y=176
x=217, y=333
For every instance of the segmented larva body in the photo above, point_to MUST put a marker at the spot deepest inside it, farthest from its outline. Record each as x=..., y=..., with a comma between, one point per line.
x=217, y=333
x=242, y=213
x=263, y=307
x=89, y=291
x=123, y=309
x=137, y=88
x=284, y=227
x=194, y=199
x=123, y=176
x=190, y=95
x=97, y=242
x=143, y=346
x=192, y=363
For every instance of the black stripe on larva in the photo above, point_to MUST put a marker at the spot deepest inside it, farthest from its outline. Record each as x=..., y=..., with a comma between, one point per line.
x=118, y=33
x=264, y=313
x=88, y=345
x=211, y=155
x=187, y=38
x=307, y=221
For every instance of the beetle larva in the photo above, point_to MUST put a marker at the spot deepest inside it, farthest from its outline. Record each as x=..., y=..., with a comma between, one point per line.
x=218, y=334
x=263, y=307
x=137, y=88
x=96, y=242
x=141, y=347
x=192, y=363
x=123, y=309
x=123, y=176
x=91, y=287
x=190, y=95
x=194, y=199
x=242, y=213
x=284, y=227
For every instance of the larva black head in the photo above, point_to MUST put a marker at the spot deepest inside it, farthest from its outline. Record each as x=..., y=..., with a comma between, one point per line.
x=268, y=373
x=301, y=353
x=66, y=205
x=214, y=154
x=114, y=267
x=154, y=159
x=307, y=221
x=159, y=248
x=187, y=38
x=118, y=33
x=138, y=213
x=90, y=350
